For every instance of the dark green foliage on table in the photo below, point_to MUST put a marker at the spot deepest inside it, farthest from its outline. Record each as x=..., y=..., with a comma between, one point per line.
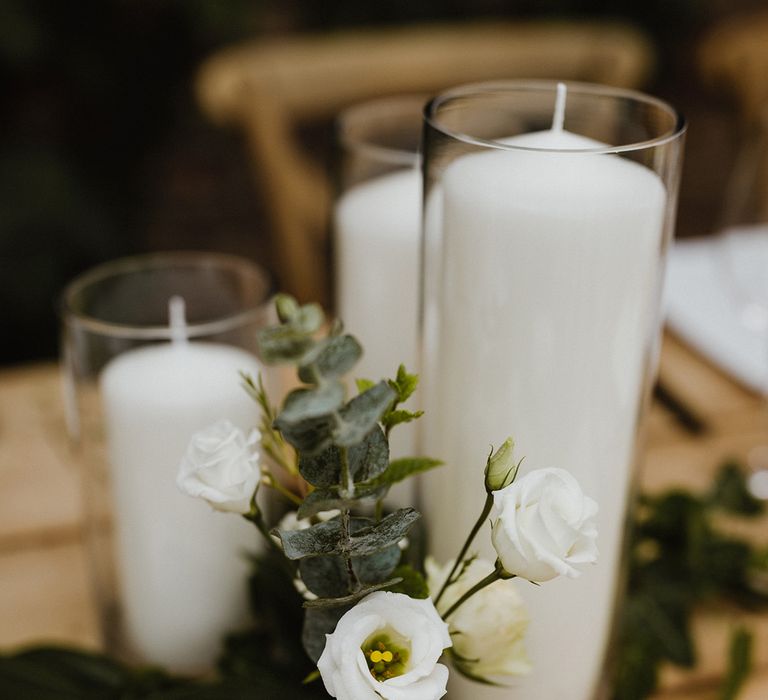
x=679, y=560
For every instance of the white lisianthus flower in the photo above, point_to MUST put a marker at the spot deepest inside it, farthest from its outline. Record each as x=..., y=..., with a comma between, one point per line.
x=488, y=630
x=545, y=526
x=221, y=466
x=387, y=646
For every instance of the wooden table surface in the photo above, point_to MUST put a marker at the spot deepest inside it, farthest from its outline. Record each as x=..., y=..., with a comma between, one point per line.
x=44, y=581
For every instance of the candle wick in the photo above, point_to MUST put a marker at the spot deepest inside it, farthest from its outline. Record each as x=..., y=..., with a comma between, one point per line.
x=559, y=116
x=178, y=320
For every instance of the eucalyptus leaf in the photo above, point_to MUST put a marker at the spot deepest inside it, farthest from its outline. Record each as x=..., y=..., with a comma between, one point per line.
x=351, y=599
x=317, y=623
x=360, y=415
x=390, y=530
x=323, y=468
x=283, y=344
x=326, y=577
x=331, y=358
x=320, y=539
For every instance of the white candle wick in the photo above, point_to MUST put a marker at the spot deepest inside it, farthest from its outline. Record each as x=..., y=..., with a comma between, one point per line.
x=178, y=320
x=559, y=116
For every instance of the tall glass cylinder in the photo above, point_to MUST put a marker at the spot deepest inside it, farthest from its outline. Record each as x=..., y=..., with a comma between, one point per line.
x=546, y=226
x=377, y=237
x=152, y=347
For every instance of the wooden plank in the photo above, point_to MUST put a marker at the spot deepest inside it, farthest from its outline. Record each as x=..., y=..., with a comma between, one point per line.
x=46, y=597
x=39, y=482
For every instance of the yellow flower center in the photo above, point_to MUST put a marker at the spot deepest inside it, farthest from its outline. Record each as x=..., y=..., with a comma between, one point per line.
x=386, y=658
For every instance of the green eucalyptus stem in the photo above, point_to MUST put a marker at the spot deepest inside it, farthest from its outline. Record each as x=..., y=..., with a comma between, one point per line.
x=347, y=488
x=256, y=518
x=495, y=575
x=463, y=553
x=379, y=509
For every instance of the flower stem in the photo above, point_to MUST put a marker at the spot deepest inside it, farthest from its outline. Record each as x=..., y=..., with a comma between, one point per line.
x=347, y=489
x=274, y=483
x=494, y=576
x=473, y=533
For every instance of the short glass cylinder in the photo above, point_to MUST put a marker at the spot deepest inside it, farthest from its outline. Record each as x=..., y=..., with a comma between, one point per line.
x=169, y=574
x=546, y=225
x=377, y=220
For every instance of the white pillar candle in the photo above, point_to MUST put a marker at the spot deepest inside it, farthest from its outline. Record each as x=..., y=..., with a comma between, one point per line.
x=547, y=299
x=377, y=266
x=182, y=566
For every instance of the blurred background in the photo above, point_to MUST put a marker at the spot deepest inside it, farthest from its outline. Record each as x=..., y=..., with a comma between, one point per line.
x=104, y=149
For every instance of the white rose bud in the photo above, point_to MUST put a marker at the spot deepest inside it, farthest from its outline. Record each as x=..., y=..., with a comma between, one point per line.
x=501, y=468
x=222, y=467
x=387, y=646
x=545, y=526
x=488, y=630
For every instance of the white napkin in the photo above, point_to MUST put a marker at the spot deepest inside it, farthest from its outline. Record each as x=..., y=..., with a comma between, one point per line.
x=716, y=299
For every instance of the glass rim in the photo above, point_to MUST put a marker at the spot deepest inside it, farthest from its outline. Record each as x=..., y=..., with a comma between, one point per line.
x=431, y=113
x=360, y=110
x=71, y=315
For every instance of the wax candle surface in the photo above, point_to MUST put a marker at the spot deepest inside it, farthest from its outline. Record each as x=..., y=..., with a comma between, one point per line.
x=182, y=565
x=546, y=303
x=377, y=242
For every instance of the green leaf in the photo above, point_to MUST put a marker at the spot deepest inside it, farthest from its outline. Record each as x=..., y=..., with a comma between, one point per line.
x=326, y=577
x=317, y=623
x=320, y=539
x=350, y=599
x=309, y=318
x=283, y=344
x=308, y=417
x=404, y=384
x=331, y=358
x=362, y=413
x=400, y=469
x=322, y=469
x=412, y=583
x=378, y=566
x=731, y=493
x=367, y=459
x=739, y=663
x=286, y=306
x=393, y=418
x=364, y=385
x=390, y=530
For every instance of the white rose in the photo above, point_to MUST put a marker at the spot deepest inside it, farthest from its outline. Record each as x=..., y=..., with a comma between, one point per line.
x=545, y=526
x=387, y=646
x=488, y=630
x=222, y=467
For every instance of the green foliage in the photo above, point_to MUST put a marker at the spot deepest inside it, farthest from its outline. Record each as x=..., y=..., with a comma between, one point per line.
x=739, y=663
x=401, y=469
x=343, y=452
x=679, y=559
x=412, y=582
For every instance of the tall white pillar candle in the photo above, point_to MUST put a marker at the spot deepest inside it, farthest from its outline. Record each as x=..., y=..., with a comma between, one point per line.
x=378, y=238
x=547, y=297
x=182, y=566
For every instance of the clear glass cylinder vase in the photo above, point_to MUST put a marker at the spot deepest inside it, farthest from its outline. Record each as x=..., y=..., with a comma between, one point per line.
x=546, y=225
x=377, y=239
x=151, y=351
